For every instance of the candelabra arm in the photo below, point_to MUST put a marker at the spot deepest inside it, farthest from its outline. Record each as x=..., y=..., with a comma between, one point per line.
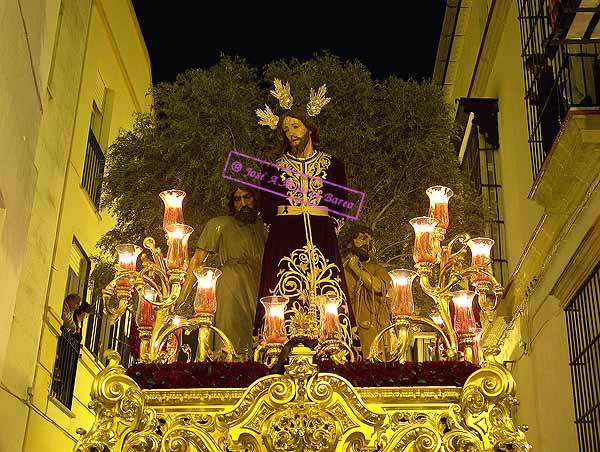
x=112, y=308
x=228, y=348
x=268, y=353
x=443, y=303
x=157, y=256
x=424, y=282
x=450, y=261
x=373, y=353
x=336, y=350
x=483, y=269
x=140, y=284
x=402, y=330
x=163, y=327
x=147, y=273
x=463, y=238
x=399, y=325
x=437, y=329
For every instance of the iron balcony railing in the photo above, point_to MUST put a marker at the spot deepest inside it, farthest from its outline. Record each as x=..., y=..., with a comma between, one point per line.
x=65, y=367
x=94, y=331
x=559, y=72
x=93, y=169
x=583, y=329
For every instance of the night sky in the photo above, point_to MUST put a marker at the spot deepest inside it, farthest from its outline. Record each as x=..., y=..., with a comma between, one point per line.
x=387, y=42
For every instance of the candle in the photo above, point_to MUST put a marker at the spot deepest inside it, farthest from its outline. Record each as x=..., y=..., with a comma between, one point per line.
x=177, y=256
x=145, y=316
x=438, y=204
x=480, y=255
x=274, y=316
x=205, y=301
x=329, y=316
x=423, y=248
x=464, y=320
x=128, y=255
x=173, y=201
x=402, y=298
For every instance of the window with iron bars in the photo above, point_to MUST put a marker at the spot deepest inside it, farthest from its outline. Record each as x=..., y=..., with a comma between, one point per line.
x=479, y=146
x=559, y=72
x=93, y=169
x=583, y=329
x=101, y=335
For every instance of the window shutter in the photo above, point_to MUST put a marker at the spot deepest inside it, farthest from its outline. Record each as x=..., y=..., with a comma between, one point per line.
x=100, y=93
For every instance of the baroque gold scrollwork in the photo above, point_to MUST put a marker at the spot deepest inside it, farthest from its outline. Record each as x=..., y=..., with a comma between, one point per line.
x=304, y=410
x=417, y=438
x=119, y=406
x=486, y=399
x=298, y=429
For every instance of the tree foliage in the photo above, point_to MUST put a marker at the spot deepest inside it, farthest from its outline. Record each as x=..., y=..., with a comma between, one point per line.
x=392, y=135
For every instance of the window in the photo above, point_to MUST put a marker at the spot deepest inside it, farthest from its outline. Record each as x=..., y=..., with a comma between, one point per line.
x=477, y=153
x=583, y=329
x=79, y=271
x=560, y=69
x=93, y=169
x=101, y=335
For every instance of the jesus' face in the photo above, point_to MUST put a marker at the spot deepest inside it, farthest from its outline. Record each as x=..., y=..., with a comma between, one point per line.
x=296, y=133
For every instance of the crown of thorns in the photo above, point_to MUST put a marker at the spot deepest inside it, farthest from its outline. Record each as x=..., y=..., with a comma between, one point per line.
x=283, y=93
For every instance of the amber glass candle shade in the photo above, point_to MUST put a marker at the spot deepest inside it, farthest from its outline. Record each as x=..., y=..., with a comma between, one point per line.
x=128, y=255
x=205, y=301
x=480, y=255
x=173, y=201
x=438, y=204
x=273, y=321
x=464, y=320
x=177, y=256
x=402, y=297
x=423, y=249
x=145, y=316
x=328, y=307
x=437, y=319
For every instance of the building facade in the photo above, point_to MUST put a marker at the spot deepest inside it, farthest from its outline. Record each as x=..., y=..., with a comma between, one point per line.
x=73, y=73
x=524, y=77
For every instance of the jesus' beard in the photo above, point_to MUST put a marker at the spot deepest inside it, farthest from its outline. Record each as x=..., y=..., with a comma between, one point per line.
x=299, y=148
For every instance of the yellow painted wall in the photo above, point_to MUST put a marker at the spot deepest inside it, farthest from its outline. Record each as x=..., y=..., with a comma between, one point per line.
x=71, y=41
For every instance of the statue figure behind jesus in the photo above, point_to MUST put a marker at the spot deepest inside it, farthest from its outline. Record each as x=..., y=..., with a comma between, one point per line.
x=368, y=284
x=238, y=239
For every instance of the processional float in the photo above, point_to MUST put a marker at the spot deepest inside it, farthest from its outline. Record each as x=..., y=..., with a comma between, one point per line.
x=303, y=409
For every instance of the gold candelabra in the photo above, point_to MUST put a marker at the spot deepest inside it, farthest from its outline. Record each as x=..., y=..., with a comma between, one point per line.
x=158, y=285
x=443, y=273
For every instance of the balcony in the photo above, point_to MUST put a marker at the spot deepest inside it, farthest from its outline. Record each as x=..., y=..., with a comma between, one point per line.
x=561, y=68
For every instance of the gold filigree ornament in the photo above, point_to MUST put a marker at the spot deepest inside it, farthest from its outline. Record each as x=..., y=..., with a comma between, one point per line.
x=267, y=117
x=282, y=92
x=317, y=100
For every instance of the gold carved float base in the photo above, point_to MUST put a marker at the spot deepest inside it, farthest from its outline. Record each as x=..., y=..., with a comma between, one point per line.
x=304, y=410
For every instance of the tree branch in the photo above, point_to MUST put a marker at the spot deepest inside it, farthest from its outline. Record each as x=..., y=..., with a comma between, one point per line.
x=379, y=216
x=232, y=138
x=389, y=261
